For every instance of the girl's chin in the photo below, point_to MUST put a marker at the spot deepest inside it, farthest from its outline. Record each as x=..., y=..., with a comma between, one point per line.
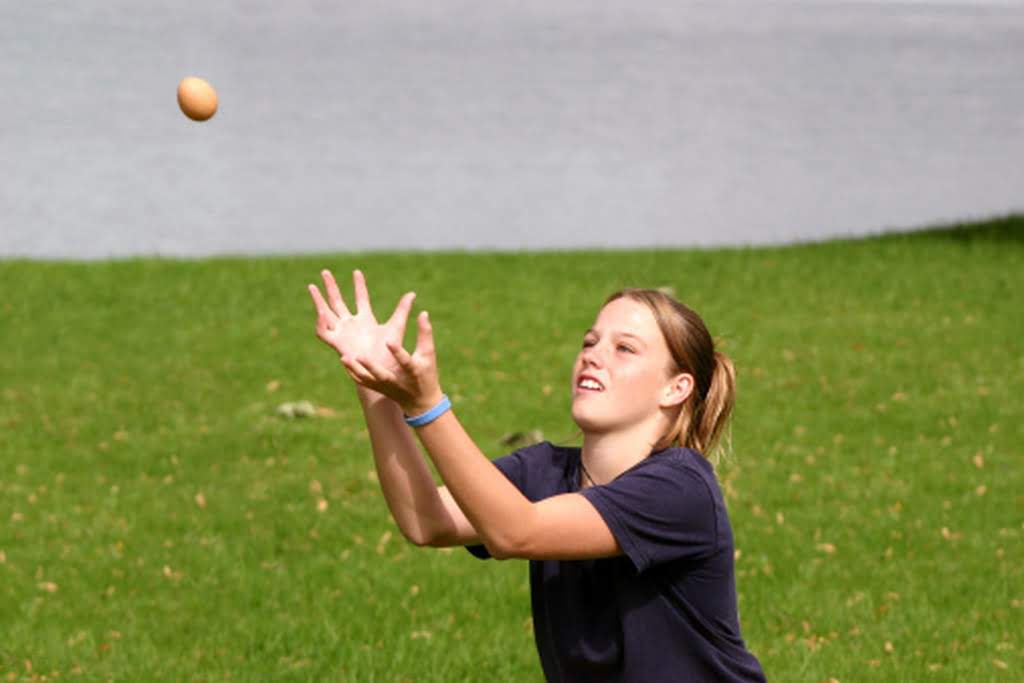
x=587, y=420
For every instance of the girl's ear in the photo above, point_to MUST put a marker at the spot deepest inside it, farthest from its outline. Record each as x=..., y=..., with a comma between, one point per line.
x=677, y=390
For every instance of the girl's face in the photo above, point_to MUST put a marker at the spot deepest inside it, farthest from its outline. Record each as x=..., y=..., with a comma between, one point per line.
x=620, y=377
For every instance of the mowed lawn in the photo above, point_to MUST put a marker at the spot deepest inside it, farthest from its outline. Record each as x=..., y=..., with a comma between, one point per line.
x=161, y=521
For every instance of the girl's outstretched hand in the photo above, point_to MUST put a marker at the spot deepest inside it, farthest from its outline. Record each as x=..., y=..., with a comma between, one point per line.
x=357, y=334
x=409, y=380
x=372, y=353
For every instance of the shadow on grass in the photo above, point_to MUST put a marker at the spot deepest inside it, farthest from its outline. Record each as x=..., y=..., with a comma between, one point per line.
x=1005, y=229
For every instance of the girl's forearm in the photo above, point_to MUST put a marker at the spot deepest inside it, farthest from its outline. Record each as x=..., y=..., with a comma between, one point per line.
x=405, y=478
x=493, y=505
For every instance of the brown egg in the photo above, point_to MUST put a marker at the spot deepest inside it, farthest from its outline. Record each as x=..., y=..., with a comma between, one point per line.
x=197, y=98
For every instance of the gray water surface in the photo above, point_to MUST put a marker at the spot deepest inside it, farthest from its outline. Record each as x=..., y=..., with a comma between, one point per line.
x=511, y=125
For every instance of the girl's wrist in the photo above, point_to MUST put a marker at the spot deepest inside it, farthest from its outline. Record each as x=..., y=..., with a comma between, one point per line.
x=427, y=410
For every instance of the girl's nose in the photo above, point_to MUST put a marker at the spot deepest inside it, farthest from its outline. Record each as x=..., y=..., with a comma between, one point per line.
x=590, y=356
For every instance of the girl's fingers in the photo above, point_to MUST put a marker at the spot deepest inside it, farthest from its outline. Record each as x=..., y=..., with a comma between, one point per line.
x=355, y=378
x=356, y=370
x=378, y=371
x=323, y=310
x=334, y=294
x=362, y=293
x=401, y=315
x=425, y=340
x=401, y=355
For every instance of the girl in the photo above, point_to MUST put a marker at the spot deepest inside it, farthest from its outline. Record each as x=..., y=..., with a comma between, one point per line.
x=630, y=547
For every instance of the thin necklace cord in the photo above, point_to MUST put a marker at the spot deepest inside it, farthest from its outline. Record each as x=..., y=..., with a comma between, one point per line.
x=586, y=473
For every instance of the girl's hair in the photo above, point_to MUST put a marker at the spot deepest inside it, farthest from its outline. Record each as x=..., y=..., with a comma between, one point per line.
x=702, y=418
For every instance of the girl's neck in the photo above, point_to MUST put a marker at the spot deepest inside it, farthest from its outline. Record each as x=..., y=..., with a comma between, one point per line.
x=606, y=456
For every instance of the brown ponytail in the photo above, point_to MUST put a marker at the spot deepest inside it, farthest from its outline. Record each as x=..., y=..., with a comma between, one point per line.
x=714, y=415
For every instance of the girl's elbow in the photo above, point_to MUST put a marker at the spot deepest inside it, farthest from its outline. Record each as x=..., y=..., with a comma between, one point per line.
x=434, y=538
x=497, y=552
x=504, y=548
x=418, y=536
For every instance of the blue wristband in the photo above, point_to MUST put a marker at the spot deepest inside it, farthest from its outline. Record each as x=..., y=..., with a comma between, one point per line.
x=426, y=418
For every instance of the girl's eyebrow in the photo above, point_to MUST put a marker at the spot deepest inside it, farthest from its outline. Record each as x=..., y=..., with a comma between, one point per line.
x=620, y=334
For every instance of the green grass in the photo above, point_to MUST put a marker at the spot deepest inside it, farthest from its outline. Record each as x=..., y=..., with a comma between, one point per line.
x=158, y=520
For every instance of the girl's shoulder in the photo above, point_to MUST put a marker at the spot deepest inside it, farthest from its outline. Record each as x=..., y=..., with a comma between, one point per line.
x=550, y=456
x=545, y=456
x=545, y=450
x=675, y=458
x=541, y=469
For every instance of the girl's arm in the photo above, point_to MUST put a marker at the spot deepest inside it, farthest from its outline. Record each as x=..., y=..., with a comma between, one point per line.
x=425, y=513
x=564, y=527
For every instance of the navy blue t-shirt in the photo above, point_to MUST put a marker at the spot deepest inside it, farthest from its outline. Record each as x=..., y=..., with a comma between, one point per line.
x=663, y=611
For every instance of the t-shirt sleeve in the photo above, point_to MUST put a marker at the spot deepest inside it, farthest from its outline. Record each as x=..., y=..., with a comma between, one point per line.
x=659, y=513
x=514, y=469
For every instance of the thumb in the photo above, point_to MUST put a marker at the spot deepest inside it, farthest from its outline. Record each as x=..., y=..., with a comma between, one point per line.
x=425, y=340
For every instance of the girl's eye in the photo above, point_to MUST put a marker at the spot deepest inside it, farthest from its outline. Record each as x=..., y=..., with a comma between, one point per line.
x=621, y=347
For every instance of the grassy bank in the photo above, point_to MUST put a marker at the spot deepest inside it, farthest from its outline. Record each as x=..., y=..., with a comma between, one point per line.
x=160, y=521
